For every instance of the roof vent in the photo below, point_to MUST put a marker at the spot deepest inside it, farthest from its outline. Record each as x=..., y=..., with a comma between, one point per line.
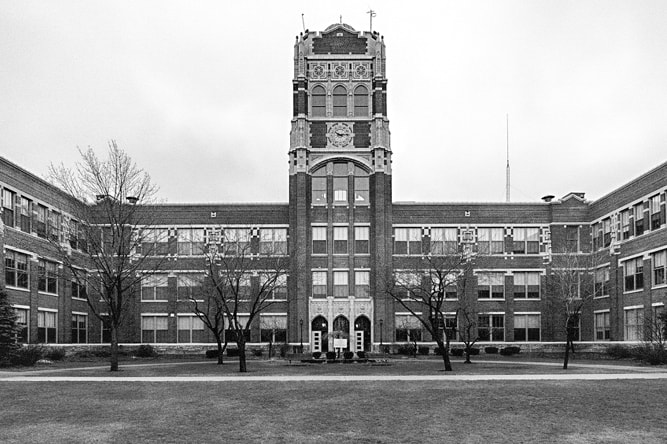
x=548, y=198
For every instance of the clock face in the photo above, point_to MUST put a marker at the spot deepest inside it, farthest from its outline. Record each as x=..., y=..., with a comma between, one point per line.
x=340, y=135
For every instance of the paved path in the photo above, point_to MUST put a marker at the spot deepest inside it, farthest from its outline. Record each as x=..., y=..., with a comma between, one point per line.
x=320, y=378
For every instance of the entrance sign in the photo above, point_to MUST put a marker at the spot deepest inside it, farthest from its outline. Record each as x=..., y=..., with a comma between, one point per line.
x=340, y=343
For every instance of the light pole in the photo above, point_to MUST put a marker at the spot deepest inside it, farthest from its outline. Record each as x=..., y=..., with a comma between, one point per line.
x=381, y=332
x=301, y=332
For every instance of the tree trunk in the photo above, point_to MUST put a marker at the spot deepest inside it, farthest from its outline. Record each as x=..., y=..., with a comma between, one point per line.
x=444, y=346
x=467, y=351
x=114, y=347
x=220, y=349
x=241, y=345
x=567, y=351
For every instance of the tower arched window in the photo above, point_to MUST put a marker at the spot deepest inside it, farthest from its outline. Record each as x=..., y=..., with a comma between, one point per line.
x=361, y=101
x=339, y=101
x=319, y=102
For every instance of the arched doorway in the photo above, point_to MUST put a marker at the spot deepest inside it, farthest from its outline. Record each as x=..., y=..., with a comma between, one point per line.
x=318, y=340
x=362, y=334
x=341, y=330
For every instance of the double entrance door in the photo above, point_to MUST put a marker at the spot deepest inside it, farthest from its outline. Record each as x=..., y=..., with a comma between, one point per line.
x=357, y=339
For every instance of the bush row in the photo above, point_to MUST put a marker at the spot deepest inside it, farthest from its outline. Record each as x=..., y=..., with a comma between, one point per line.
x=648, y=353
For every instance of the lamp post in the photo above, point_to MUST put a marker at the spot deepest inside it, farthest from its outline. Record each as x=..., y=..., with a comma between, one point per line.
x=301, y=332
x=381, y=332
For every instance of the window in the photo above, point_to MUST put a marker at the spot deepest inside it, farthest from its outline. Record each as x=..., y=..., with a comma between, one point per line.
x=443, y=241
x=634, y=324
x=190, y=241
x=237, y=241
x=79, y=285
x=106, y=328
x=319, y=102
x=26, y=214
x=491, y=327
x=408, y=328
x=273, y=328
x=190, y=329
x=448, y=285
x=362, y=285
x=606, y=232
x=657, y=216
x=639, y=219
x=277, y=287
x=527, y=327
x=597, y=236
x=319, y=284
x=46, y=326
x=41, y=215
x=76, y=236
x=407, y=241
x=16, y=269
x=319, y=187
x=319, y=240
x=154, y=287
x=634, y=274
x=490, y=240
x=79, y=328
x=231, y=333
x=155, y=242
x=659, y=260
x=340, y=285
x=601, y=282
x=625, y=224
x=406, y=283
x=189, y=286
x=340, y=189
x=490, y=286
x=154, y=328
x=339, y=101
x=361, y=193
x=526, y=285
x=602, y=329
x=22, y=322
x=244, y=282
x=526, y=241
x=361, y=240
x=8, y=201
x=361, y=101
x=273, y=241
x=48, y=276
x=571, y=239
x=55, y=224
x=340, y=240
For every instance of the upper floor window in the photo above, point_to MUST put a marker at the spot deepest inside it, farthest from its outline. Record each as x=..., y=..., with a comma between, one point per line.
x=8, y=201
x=339, y=101
x=444, y=241
x=319, y=102
x=273, y=241
x=340, y=284
x=606, y=232
x=274, y=285
x=526, y=285
x=407, y=241
x=189, y=286
x=361, y=284
x=625, y=224
x=490, y=286
x=340, y=182
x=361, y=101
x=659, y=261
x=639, y=219
x=41, y=215
x=154, y=287
x=190, y=241
x=16, y=269
x=26, y=215
x=361, y=190
x=571, y=239
x=340, y=240
x=319, y=240
x=657, y=216
x=79, y=285
x=155, y=241
x=48, y=276
x=319, y=188
x=361, y=240
x=319, y=284
x=237, y=241
x=634, y=274
x=490, y=240
x=526, y=241
x=601, y=282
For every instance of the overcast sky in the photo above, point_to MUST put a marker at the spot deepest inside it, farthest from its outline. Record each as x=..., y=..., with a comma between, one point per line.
x=199, y=93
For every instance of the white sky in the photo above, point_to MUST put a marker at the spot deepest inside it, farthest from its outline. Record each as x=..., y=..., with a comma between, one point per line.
x=199, y=93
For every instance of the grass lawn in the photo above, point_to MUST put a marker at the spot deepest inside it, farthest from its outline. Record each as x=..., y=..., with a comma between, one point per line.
x=366, y=412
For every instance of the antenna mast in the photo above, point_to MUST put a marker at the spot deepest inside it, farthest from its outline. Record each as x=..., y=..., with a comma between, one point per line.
x=507, y=170
x=303, y=23
x=372, y=14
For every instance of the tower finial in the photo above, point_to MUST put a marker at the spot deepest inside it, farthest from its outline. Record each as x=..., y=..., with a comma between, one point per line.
x=507, y=172
x=372, y=14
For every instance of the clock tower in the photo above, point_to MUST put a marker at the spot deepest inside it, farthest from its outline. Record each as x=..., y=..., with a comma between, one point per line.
x=340, y=190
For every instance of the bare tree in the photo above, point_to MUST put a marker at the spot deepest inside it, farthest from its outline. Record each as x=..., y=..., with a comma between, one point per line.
x=100, y=243
x=422, y=291
x=572, y=286
x=211, y=311
x=466, y=315
x=243, y=281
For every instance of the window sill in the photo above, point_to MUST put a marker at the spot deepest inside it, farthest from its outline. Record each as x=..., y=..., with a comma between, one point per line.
x=155, y=300
x=659, y=286
x=639, y=290
x=491, y=300
x=79, y=299
x=27, y=290
x=526, y=299
x=46, y=293
x=604, y=296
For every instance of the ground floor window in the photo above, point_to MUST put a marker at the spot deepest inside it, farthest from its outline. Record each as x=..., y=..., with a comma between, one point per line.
x=190, y=329
x=22, y=322
x=633, y=323
x=491, y=327
x=47, y=321
x=527, y=327
x=231, y=334
x=154, y=328
x=602, y=329
x=106, y=329
x=79, y=328
x=273, y=328
x=408, y=328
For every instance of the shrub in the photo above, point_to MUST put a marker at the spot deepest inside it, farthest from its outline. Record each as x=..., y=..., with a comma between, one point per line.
x=361, y=354
x=316, y=355
x=257, y=352
x=619, y=352
x=232, y=352
x=491, y=350
x=284, y=349
x=422, y=350
x=651, y=355
x=406, y=349
x=474, y=351
x=456, y=352
x=348, y=355
x=27, y=356
x=511, y=350
x=385, y=349
x=55, y=354
x=145, y=351
x=211, y=354
x=331, y=355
